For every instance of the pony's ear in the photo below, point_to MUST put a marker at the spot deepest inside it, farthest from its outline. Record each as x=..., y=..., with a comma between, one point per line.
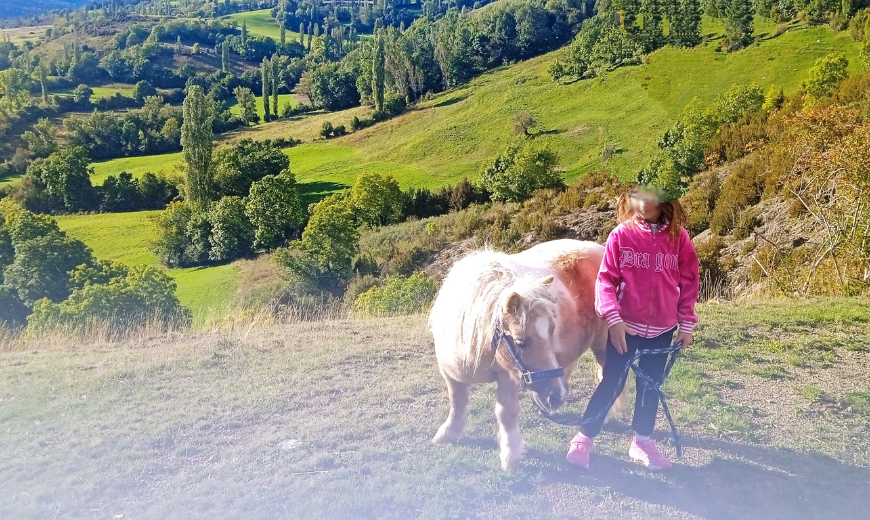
x=510, y=303
x=546, y=281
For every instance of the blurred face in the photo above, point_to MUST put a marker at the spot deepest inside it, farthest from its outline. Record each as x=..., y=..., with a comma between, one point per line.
x=646, y=204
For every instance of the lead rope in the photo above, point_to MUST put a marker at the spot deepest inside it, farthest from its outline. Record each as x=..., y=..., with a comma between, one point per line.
x=642, y=378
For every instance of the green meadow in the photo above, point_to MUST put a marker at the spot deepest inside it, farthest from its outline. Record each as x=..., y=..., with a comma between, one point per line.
x=138, y=166
x=283, y=99
x=125, y=237
x=260, y=23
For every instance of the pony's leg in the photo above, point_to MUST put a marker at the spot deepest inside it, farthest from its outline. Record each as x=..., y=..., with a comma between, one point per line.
x=458, y=393
x=507, y=412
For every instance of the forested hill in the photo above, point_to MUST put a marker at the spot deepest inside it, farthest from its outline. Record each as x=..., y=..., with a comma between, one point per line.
x=16, y=8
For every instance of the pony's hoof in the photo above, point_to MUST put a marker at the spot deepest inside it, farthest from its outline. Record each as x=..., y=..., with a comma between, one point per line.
x=510, y=461
x=444, y=436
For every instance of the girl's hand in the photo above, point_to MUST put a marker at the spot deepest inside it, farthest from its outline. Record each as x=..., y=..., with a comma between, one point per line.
x=685, y=337
x=617, y=336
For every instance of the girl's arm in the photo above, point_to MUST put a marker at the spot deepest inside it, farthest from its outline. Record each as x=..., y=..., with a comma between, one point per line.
x=608, y=282
x=689, y=285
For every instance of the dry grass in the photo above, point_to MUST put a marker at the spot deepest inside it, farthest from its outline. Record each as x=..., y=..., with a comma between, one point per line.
x=331, y=419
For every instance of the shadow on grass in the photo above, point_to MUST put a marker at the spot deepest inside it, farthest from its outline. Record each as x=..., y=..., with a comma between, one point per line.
x=318, y=190
x=451, y=101
x=741, y=482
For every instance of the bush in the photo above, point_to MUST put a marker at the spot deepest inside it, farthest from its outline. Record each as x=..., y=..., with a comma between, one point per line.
x=399, y=296
x=126, y=298
x=339, y=130
x=825, y=75
x=326, y=130
x=274, y=207
x=738, y=100
x=519, y=172
x=376, y=200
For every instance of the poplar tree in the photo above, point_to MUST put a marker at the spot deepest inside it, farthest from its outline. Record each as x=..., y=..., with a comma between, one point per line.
x=244, y=33
x=225, y=56
x=266, y=70
x=274, y=73
x=378, y=62
x=301, y=33
x=43, y=76
x=196, y=144
x=178, y=45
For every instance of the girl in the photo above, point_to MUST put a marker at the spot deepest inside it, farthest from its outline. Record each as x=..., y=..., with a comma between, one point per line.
x=646, y=290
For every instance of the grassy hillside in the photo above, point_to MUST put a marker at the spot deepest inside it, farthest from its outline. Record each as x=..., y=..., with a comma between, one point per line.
x=124, y=237
x=260, y=23
x=283, y=99
x=138, y=166
x=447, y=137
x=332, y=419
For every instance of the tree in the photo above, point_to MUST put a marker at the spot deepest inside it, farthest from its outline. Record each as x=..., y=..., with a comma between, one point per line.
x=225, y=56
x=66, y=176
x=82, y=94
x=43, y=78
x=196, y=142
x=519, y=172
x=301, y=33
x=826, y=74
x=266, y=72
x=275, y=80
x=247, y=103
x=178, y=45
x=42, y=139
x=232, y=234
x=143, y=89
x=630, y=13
x=523, y=122
x=244, y=37
x=685, y=26
x=739, y=24
x=15, y=88
x=196, y=48
x=274, y=207
x=330, y=240
x=651, y=36
x=378, y=61
x=376, y=200
x=42, y=265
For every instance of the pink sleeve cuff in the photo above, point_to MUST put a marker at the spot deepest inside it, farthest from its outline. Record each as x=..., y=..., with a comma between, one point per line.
x=612, y=318
x=687, y=326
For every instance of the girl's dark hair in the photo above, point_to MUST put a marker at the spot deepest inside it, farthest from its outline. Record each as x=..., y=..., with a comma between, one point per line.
x=673, y=211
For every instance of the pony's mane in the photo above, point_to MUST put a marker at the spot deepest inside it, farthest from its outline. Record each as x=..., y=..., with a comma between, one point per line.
x=470, y=298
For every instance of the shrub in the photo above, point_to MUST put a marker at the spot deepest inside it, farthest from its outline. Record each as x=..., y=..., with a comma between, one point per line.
x=523, y=122
x=825, y=75
x=519, y=172
x=738, y=100
x=126, y=298
x=398, y=296
x=338, y=131
x=326, y=130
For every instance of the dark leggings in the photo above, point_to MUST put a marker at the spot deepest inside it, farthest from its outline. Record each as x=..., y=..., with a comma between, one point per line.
x=645, y=406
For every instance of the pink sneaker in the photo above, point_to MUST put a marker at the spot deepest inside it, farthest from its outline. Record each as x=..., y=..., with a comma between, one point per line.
x=578, y=453
x=647, y=454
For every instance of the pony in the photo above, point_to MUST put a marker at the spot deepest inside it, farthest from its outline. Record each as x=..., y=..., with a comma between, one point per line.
x=543, y=299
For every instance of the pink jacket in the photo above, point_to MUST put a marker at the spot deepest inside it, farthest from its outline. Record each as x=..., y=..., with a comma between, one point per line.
x=647, y=280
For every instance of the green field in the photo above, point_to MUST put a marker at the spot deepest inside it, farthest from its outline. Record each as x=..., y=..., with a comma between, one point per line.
x=332, y=420
x=283, y=99
x=125, y=237
x=138, y=166
x=260, y=23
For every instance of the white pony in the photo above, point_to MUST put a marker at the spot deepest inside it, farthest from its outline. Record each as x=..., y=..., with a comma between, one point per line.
x=543, y=299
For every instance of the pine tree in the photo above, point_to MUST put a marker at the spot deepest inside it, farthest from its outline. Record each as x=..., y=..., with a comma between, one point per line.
x=686, y=32
x=266, y=70
x=225, y=56
x=196, y=143
x=378, y=62
x=738, y=24
x=651, y=34
x=630, y=11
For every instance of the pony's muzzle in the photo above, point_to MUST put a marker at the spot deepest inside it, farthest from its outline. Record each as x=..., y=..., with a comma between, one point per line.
x=550, y=394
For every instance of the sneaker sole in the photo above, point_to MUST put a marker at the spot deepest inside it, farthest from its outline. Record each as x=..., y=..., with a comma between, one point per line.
x=571, y=462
